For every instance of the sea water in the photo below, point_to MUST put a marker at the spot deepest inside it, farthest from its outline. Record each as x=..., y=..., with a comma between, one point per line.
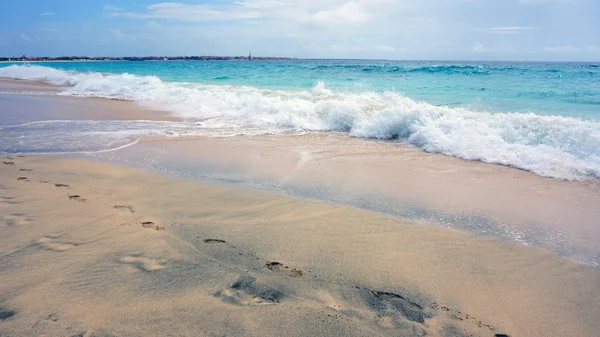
x=541, y=117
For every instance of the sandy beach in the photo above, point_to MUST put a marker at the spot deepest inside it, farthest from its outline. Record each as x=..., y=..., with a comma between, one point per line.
x=102, y=246
x=96, y=249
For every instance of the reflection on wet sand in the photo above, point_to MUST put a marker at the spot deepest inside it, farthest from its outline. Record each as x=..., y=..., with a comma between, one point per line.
x=397, y=179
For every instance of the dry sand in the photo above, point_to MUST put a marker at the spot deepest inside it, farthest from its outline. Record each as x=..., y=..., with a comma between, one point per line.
x=92, y=249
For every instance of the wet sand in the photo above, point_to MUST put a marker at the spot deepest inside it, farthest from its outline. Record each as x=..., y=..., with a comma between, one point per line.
x=96, y=249
x=397, y=179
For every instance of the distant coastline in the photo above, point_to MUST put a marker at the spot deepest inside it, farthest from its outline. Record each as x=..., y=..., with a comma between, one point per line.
x=137, y=58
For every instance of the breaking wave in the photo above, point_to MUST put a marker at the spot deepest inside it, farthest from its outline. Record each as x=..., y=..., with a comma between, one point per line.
x=552, y=146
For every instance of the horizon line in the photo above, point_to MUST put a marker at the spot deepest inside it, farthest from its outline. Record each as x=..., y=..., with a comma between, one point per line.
x=75, y=58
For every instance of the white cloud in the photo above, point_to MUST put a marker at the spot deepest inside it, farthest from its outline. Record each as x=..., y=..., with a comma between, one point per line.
x=323, y=11
x=47, y=14
x=348, y=12
x=184, y=12
x=479, y=48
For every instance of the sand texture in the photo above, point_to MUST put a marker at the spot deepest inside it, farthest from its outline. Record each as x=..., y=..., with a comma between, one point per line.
x=92, y=249
x=394, y=178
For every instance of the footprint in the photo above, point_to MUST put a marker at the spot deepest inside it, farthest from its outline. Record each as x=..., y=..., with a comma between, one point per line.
x=124, y=207
x=9, y=163
x=144, y=263
x=246, y=291
x=398, y=312
x=23, y=178
x=214, y=241
x=458, y=315
x=53, y=244
x=76, y=197
x=17, y=219
x=10, y=200
x=280, y=268
x=387, y=304
x=52, y=317
x=61, y=185
x=152, y=225
x=6, y=313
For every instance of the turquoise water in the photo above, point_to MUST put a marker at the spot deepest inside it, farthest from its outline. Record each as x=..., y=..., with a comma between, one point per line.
x=541, y=117
x=566, y=89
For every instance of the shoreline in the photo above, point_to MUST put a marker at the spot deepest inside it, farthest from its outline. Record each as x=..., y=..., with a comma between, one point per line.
x=548, y=159
x=433, y=189
x=121, y=236
x=11, y=87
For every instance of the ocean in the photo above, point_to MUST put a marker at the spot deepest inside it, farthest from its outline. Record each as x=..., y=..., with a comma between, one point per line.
x=539, y=117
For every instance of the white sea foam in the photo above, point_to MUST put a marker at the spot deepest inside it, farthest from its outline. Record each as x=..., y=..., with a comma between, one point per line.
x=553, y=146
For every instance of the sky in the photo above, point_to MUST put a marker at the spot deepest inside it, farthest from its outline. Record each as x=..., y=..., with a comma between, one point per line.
x=527, y=30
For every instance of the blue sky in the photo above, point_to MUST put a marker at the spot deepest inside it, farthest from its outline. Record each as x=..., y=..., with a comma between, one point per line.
x=392, y=29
